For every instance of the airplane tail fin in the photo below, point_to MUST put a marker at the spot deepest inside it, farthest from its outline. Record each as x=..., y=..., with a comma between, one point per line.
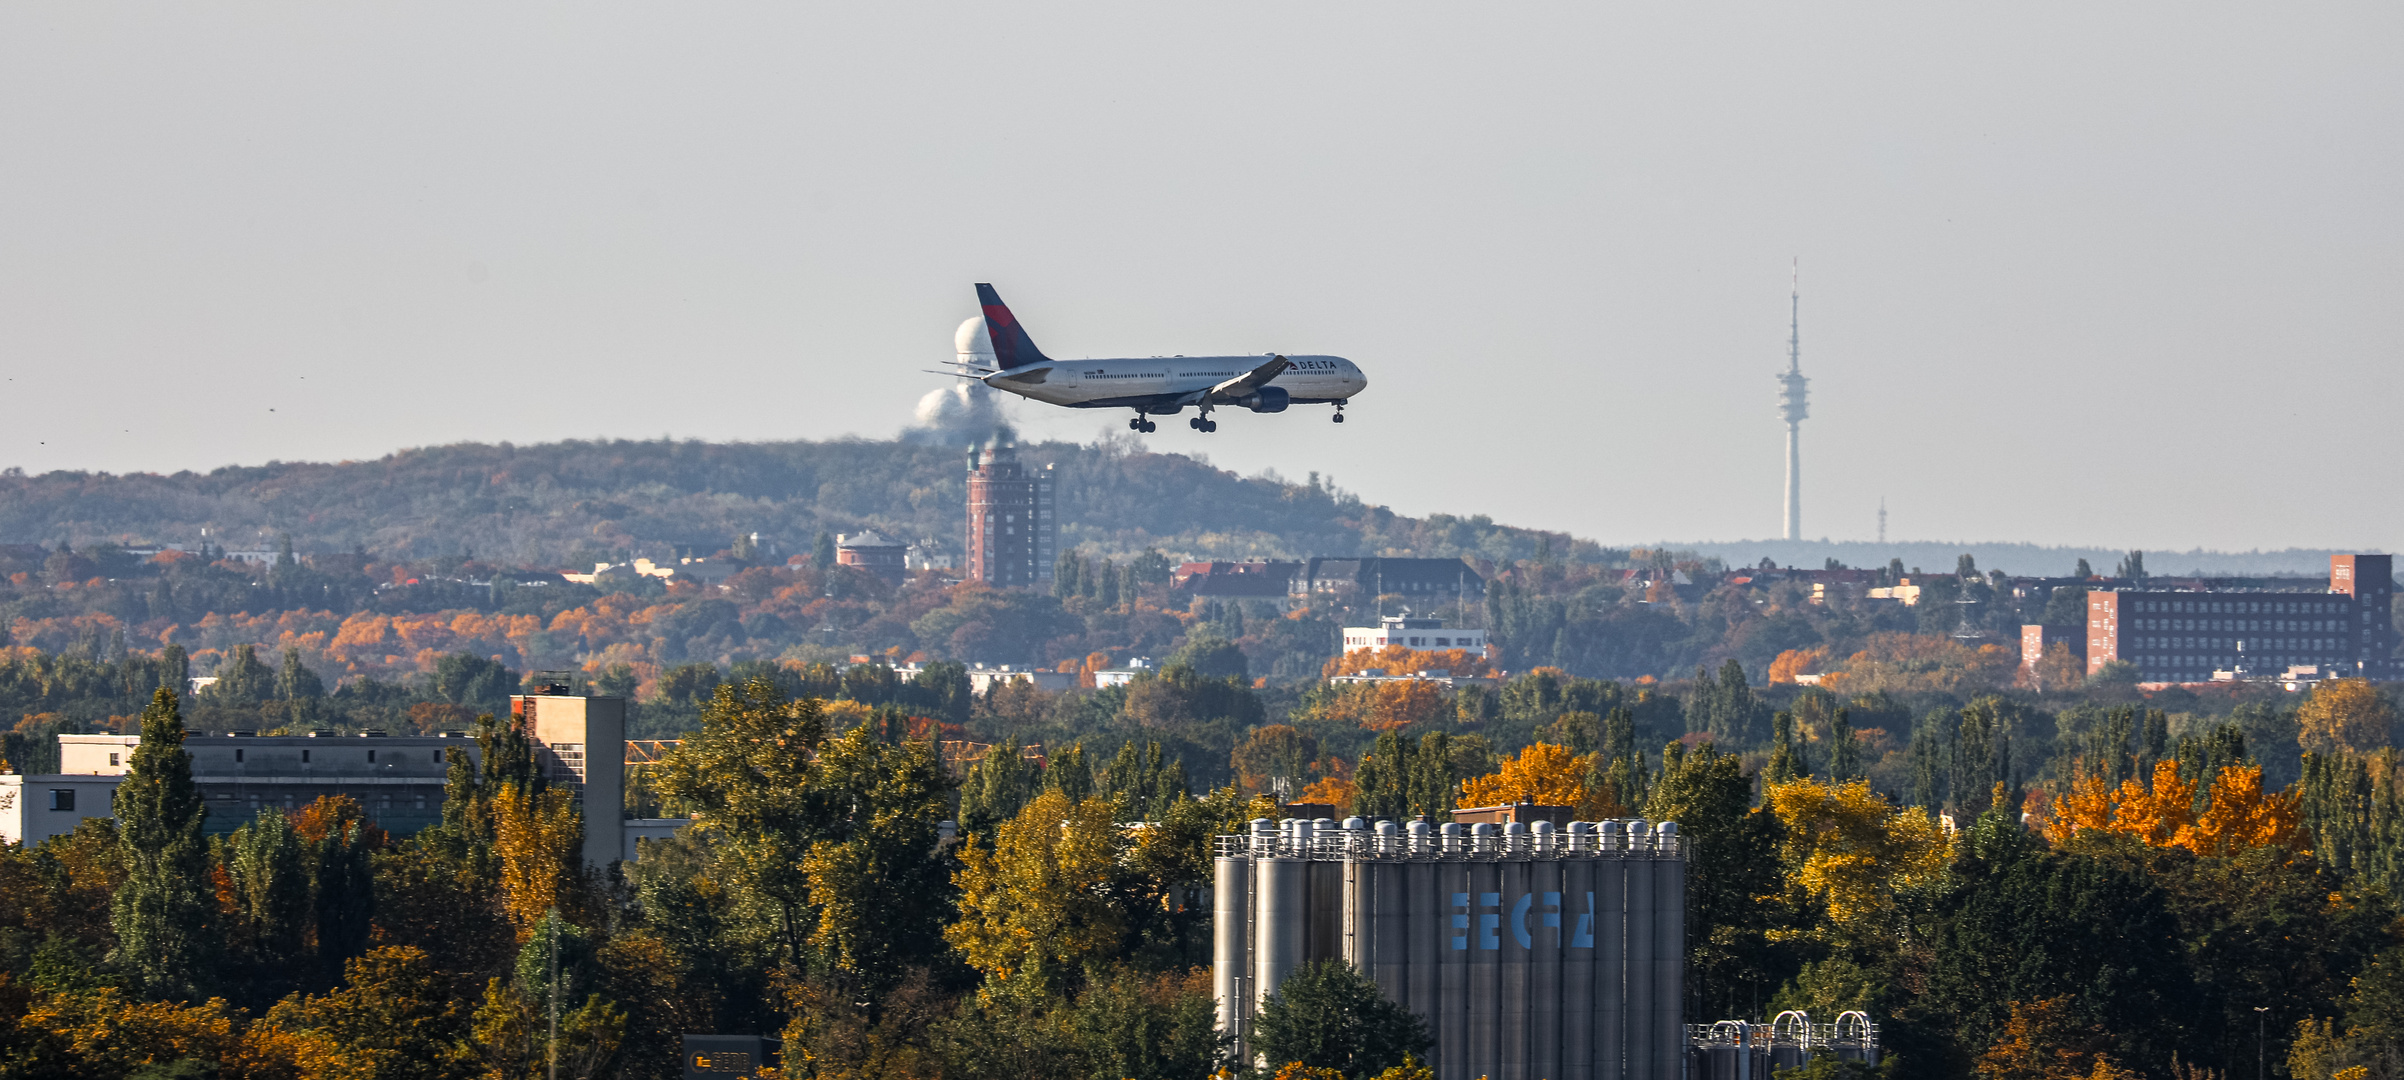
x=1011, y=345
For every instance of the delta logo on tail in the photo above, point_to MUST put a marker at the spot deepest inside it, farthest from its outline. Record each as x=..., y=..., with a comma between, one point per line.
x=996, y=350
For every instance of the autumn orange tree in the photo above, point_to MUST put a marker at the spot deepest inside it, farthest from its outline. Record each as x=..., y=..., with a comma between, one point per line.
x=2238, y=814
x=1404, y=660
x=1543, y=773
x=1384, y=706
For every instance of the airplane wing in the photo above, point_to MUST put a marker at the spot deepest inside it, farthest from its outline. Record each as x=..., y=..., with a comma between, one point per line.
x=1249, y=381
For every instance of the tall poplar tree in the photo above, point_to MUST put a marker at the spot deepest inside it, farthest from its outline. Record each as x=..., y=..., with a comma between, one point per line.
x=1844, y=752
x=161, y=913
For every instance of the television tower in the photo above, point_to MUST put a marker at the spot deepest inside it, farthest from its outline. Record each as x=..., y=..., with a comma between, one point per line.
x=1791, y=408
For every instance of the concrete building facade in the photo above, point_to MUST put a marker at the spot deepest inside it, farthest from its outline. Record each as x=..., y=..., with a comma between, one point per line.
x=1013, y=536
x=398, y=779
x=38, y=807
x=580, y=743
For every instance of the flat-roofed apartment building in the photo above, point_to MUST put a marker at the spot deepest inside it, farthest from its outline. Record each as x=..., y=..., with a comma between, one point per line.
x=580, y=743
x=398, y=779
x=2185, y=636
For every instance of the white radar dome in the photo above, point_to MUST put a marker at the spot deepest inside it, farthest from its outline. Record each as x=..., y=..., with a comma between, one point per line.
x=972, y=342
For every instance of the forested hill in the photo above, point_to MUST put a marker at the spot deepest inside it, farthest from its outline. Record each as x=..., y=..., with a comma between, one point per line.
x=569, y=503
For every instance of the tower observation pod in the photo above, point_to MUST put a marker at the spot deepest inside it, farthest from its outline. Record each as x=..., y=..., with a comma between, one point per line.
x=1534, y=952
x=1792, y=408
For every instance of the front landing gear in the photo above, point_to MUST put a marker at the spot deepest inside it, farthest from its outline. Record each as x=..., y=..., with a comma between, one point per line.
x=1339, y=417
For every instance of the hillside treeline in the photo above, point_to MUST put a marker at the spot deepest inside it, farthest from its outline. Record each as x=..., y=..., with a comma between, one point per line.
x=569, y=504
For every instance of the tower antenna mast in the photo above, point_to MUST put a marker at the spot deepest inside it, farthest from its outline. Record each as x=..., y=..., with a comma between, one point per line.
x=1792, y=406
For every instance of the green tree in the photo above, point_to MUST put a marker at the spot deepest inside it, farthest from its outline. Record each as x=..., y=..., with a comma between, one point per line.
x=1619, y=772
x=1144, y=781
x=1065, y=574
x=162, y=911
x=2066, y=606
x=295, y=681
x=687, y=686
x=618, y=681
x=1381, y=783
x=468, y=679
x=175, y=669
x=242, y=680
x=1328, y=1016
x=1788, y=760
x=267, y=863
x=1136, y=1025
x=1069, y=774
x=747, y=773
x=880, y=892
x=997, y=787
x=1844, y=752
x=1212, y=656
x=1731, y=864
x=822, y=553
x=2019, y=923
x=1722, y=707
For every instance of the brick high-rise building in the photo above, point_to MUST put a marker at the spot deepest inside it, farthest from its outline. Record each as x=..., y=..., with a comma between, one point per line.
x=2371, y=581
x=1012, y=537
x=2185, y=636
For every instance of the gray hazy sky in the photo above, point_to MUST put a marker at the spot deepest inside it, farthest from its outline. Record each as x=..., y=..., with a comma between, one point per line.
x=2120, y=274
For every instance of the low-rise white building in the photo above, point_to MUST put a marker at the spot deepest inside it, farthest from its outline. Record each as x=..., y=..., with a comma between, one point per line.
x=36, y=808
x=1121, y=676
x=982, y=678
x=1418, y=635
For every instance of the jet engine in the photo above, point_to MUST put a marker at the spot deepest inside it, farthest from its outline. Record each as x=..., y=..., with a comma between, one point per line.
x=1264, y=400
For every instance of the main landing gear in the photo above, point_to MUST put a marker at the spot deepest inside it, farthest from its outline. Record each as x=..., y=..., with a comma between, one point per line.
x=1203, y=424
x=1141, y=424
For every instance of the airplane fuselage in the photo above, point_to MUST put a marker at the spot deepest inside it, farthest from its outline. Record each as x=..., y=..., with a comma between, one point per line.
x=1166, y=384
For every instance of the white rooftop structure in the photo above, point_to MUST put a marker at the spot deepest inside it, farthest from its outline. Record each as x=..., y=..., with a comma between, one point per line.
x=1418, y=635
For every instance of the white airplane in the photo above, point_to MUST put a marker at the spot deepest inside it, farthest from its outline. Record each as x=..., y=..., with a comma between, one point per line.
x=996, y=351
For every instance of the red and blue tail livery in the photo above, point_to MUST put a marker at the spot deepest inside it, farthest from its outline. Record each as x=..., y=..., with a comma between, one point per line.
x=1011, y=345
x=1149, y=386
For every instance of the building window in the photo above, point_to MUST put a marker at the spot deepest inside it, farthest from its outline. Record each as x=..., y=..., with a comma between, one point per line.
x=112, y=761
x=371, y=757
x=62, y=798
x=238, y=752
x=304, y=757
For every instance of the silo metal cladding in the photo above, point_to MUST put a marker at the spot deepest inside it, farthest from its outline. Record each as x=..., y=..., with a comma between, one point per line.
x=1534, y=953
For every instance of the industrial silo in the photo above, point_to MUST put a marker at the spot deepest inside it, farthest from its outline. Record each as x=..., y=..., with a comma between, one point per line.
x=1534, y=953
